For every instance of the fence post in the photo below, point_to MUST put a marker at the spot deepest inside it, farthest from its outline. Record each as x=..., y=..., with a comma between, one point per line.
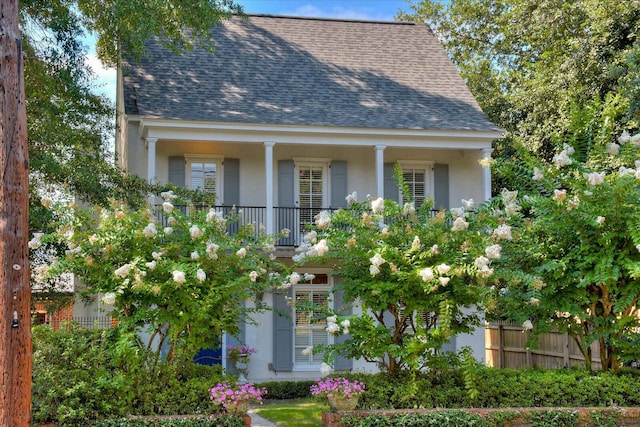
x=502, y=362
x=565, y=343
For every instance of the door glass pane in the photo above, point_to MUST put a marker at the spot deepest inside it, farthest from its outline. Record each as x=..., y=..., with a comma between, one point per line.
x=203, y=176
x=415, y=180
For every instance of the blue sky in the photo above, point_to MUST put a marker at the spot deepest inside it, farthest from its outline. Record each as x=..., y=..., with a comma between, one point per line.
x=375, y=10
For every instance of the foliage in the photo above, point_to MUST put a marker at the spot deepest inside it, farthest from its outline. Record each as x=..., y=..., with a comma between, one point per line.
x=184, y=283
x=81, y=375
x=337, y=387
x=534, y=65
x=432, y=419
x=228, y=395
x=218, y=421
x=577, y=269
x=415, y=275
x=287, y=389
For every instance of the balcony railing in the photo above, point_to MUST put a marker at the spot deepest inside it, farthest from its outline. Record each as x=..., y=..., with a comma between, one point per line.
x=296, y=220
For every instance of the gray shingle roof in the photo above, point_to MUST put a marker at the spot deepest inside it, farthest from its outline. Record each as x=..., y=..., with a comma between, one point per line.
x=306, y=71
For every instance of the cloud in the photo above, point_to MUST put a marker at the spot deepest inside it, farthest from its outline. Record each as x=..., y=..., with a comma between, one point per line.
x=105, y=77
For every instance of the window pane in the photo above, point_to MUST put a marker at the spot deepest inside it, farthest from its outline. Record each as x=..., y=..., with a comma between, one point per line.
x=203, y=176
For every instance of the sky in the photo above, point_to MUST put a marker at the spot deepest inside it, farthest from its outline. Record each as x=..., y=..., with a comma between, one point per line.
x=374, y=10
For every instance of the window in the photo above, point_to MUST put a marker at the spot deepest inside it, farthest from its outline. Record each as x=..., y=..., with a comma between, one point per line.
x=311, y=189
x=418, y=177
x=205, y=174
x=310, y=325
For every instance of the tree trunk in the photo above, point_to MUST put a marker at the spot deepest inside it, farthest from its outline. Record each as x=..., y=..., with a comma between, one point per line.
x=15, y=292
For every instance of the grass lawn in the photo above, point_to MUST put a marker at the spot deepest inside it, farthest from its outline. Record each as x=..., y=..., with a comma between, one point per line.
x=294, y=413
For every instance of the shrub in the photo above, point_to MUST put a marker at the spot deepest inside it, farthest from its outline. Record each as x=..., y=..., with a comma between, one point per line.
x=287, y=389
x=221, y=421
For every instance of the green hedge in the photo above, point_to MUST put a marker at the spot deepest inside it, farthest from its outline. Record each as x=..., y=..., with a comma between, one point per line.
x=222, y=421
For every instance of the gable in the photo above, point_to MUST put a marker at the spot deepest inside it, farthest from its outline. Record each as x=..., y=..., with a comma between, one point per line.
x=303, y=71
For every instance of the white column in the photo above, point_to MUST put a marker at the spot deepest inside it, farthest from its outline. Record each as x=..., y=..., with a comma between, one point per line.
x=380, y=170
x=486, y=175
x=151, y=159
x=268, y=176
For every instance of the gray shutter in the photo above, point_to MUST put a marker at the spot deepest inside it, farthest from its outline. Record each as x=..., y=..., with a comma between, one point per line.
x=391, y=190
x=282, y=334
x=342, y=308
x=231, y=193
x=177, y=171
x=286, y=218
x=441, y=186
x=338, y=184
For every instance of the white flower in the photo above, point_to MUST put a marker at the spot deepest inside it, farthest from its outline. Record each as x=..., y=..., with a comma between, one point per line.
x=481, y=262
x=624, y=171
x=167, y=207
x=168, y=230
x=377, y=205
x=253, y=276
x=346, y=323
x=321, y=247
x=156, y=255
x=195, y=232
x=307, y=351
x=485, y=162
x=150, y=230
x=468, y=204
x=537, y=174
x=595, y=178
x=294, y=278
x=123, y=271
x=178, y=276
x=168, y=195
x=527, y=325
x=409, y=209
x=213, y=216
x=35, y=243
x=377, y=260
x=503, y=232
x=332, y=319
x=310, y=237
x=309, y=277
x=352, y=198
x=624, y=137
x=212, y=250
x=485, y=271
x=638, y=248
x=325, y=369
x=444, y=280
x=562, y=159
x=600, y=220
x=374, y=270
x=171, y=221
x=635, y=139
x=613, y=149
x=201, y=275
x=241, y=253
x=323, y=220
x=434, y=250
x=426, y=274
x=415, y=245
x=458, y=212
x=559, y=195
x=443, y=269
x=109, y=298
x=569, y=149
x=493, y=251
x=459, y=225
x=332, y=328
x=195, y=255
x=534, y=301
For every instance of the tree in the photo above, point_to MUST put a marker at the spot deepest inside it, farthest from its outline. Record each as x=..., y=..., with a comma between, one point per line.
x=534, y=65
x=15, y=333
x=419, y=278
x=183, y=283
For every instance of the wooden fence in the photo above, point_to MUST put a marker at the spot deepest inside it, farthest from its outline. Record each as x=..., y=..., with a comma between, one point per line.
x=506, y=347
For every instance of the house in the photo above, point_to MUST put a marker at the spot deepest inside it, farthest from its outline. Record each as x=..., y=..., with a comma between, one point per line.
x=286, y=118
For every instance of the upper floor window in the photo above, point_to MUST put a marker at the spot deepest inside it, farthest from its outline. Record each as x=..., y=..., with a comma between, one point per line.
x=205, y=174
x=419, y=178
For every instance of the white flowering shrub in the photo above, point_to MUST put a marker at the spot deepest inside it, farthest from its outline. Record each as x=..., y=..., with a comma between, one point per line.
x=413, y=273
x=577, y=269
x=184, y=283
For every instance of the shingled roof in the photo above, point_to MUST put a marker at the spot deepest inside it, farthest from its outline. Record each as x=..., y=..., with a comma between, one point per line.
x=307, y=71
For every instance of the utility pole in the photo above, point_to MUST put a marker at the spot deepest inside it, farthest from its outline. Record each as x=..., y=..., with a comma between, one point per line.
x=15, y=292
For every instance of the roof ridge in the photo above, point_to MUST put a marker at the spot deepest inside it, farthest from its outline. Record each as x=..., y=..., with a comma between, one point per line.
x=319, y=18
